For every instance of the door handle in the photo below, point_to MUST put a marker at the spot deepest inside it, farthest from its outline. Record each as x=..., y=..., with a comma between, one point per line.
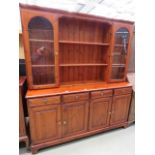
x=59, y=123
x=64, y=122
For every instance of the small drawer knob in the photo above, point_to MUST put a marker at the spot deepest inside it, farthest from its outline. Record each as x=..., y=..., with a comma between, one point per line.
x=77, y=97
x=45, y=101
x=59, y=123
x=64, y=122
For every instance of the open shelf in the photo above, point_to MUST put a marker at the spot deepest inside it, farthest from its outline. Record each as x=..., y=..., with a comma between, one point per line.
x=67, y=65
x=82, y=73
x=83, y=50
x=83, y=43
x=80, y=83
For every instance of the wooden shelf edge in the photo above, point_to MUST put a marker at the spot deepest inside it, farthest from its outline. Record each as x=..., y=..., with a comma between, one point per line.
x=41, y=40
x=67, y=65
x=118, y=65
x=84, y=43
x=43, y=65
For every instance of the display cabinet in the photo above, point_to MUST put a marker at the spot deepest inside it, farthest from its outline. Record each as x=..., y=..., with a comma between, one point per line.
x=120, y=51
x=40, y=46
x=82, y=60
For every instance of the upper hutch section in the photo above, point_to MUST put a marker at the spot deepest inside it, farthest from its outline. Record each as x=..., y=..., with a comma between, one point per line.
x=71, y=48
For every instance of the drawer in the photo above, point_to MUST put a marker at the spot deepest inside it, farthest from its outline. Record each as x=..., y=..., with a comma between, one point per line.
x=122, y=91
x=75, y=97
x=101, y=93
x=44, y=101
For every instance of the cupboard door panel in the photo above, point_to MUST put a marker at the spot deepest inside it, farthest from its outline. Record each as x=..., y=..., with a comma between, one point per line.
x=45, y=123
x=120, y=109
x=99, y=113
x=75, y=118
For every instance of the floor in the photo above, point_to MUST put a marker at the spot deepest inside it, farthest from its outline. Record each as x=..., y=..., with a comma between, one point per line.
x=119, y=141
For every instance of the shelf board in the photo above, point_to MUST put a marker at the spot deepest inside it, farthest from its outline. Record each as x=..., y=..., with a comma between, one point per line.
x=41, y=40
x=83, y=43
x=43, y=65
x=118, y=65
x=46, y=30
x=117, y=54
x=122, y=32
x=118, y=45
x=66, y=65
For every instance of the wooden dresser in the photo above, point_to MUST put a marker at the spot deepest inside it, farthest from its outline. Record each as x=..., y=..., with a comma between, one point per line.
x=22, y=129
x=76, y=67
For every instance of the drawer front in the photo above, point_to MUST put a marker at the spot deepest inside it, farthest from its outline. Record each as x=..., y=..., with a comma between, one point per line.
x=44, y=101
x=101, y=93
x=122, y=91
x=75, y=97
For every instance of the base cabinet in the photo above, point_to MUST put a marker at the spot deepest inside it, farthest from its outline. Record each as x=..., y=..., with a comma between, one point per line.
x=60, y=118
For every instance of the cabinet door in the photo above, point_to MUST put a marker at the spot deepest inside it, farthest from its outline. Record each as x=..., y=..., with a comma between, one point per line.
x=120, y=109
x=120, y=51
x=44, y=123
x=75, y=118
x=40, y=32
x=99, y=113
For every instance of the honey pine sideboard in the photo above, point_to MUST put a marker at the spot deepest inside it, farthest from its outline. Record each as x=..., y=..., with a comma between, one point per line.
x=76, y=68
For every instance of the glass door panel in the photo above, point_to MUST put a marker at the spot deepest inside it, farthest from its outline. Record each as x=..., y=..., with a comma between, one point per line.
x=120, y=54
x=117, y=72
x=42, y=51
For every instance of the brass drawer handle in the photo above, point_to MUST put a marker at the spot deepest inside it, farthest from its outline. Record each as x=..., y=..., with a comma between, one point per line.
x=59, y=123
x=102, y=94
x=45, y=101
x=110, y=113
x=76, y=97
x=64, y=122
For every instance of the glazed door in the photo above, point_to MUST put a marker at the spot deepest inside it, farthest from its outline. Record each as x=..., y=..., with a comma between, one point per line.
x=75, y=118
x=41, y=49
x=45, y=123
x=120, y=51
x=120, y=109
x=99, y=113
